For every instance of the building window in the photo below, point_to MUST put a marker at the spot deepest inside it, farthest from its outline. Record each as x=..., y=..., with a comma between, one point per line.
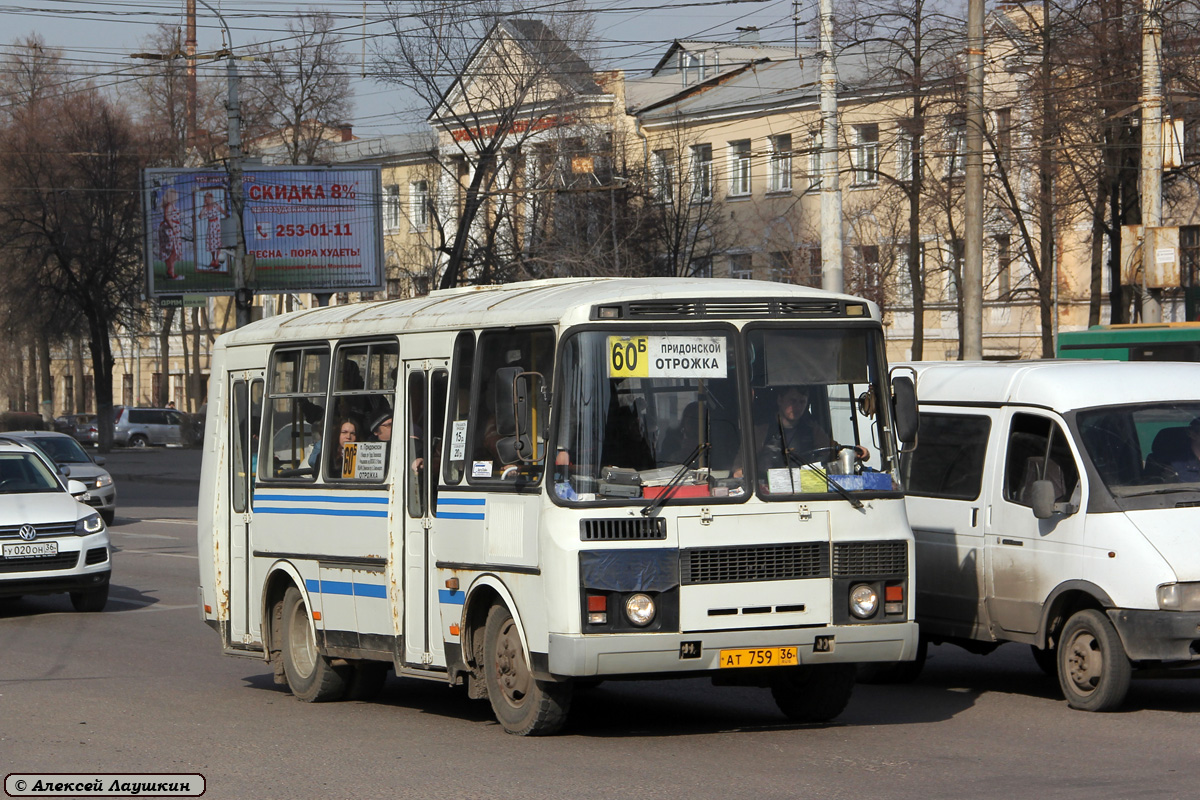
x=815, y=146
x=391, y=207
x=89, y=391
x=701, y=173
x=700, y=267
x=156, y=388
x=956, y=146
x=739, y=168
x=127, y=389
x=904, y=156
x=956, y=253
x=1189, y=256
x=868, y=264
x=68, y=394
x=418, y=204
x=663, y=177
x=779, y=178
x=866, y=155
x=741, y=265
x=695, y=67
x=1003, y=135
x=904, y=286
x=1003, y=266
x=808, y=267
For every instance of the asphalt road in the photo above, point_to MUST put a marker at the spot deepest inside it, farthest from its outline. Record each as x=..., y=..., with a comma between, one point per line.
x=143, y=687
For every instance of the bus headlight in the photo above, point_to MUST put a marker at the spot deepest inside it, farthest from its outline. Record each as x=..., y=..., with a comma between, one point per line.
x=639, y=609
x=864, y=600
x=1179, y=597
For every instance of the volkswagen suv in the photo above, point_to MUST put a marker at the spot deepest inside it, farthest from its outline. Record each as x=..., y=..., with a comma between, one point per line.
x=49, y=541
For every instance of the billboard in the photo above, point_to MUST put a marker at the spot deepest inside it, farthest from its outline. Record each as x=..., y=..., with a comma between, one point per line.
x=307, y=229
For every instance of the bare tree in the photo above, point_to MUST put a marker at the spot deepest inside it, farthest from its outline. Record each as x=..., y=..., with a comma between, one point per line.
x=71, y=213
x=496, y=84
x=300, y=89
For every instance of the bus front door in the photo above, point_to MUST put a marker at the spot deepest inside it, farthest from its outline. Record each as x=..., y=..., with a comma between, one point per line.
x=425, y=385
x=245, y=413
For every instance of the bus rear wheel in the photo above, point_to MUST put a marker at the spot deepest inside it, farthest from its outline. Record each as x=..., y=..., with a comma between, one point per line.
x=814, y=692
x=310, y=675
x=523, y=705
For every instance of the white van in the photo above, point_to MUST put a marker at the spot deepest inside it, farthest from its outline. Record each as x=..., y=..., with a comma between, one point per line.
x=1057, y=504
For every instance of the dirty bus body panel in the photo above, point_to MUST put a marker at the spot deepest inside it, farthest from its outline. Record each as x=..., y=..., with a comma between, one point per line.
x=512, y=487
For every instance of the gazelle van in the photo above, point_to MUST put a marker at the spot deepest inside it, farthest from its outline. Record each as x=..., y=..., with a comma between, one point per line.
x=1057, y=504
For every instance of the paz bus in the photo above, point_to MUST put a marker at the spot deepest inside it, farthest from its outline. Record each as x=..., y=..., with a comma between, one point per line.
x=524, y=487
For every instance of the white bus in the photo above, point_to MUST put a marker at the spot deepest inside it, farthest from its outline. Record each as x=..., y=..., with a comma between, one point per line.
x=589, y=479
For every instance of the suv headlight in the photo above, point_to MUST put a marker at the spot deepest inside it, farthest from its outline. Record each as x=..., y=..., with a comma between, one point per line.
x=1179, y=597
x=89, y=524
x=103, y=480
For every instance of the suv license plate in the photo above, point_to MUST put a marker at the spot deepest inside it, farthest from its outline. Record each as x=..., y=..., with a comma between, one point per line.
x=760, y=657
x=32, y=550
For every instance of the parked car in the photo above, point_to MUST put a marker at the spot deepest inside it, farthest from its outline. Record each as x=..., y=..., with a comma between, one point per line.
x=1055, y=504
x=140, y=427
x=66, y=453
x=49, y=541
x=81, y=427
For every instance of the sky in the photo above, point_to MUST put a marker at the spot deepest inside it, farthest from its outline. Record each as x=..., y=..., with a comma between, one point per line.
x=98, y=37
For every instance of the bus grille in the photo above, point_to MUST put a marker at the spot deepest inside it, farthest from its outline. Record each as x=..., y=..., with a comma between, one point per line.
x=856, y=559
x=768, y=562
x=622, y=530
x=60, y=561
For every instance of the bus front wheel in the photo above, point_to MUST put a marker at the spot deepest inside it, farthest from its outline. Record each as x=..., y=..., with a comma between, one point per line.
x=814, y=692
x=523, y=705
x=310, y=675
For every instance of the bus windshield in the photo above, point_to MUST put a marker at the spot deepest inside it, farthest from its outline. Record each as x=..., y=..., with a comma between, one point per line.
x=657, y=416
x=648, y=414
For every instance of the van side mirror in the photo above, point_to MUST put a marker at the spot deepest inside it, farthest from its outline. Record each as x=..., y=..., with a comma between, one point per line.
x=904, y=399
x=1042, y=495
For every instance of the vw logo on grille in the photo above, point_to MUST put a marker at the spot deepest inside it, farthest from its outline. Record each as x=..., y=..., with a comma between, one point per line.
x=28, y=533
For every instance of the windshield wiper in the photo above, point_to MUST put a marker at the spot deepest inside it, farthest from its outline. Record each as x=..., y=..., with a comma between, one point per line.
x=676, y=479
x=790, y=458
x=1167, y=490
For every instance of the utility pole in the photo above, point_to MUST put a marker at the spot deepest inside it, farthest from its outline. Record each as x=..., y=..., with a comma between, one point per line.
x=972, y=267
x=832, y=277
x=1152, y=151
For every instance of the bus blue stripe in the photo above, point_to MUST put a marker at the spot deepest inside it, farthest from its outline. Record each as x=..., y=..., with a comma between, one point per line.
x=461, y=501
x=321, y=512
x=452, y=597
x=452, y=515
x=346, y=588
x=320, y=498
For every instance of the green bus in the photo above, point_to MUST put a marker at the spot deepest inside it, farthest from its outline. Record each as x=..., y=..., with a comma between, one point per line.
x=1168, y=341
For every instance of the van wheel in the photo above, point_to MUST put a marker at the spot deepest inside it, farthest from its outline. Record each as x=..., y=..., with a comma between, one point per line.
x=522, y=704
x=1046, y=658
x=814, y=692
x=137, y=440
x=90, y=600
x=1093, y=670
x=310, y=675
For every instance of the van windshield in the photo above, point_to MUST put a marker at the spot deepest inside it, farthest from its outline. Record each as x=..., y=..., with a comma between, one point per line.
x=1146, y=449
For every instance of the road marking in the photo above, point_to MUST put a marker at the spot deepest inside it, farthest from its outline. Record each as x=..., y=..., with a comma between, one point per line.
x=153, y=553
x=143, y=535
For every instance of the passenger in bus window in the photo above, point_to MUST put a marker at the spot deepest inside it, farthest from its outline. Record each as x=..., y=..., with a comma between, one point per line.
x=381, y=428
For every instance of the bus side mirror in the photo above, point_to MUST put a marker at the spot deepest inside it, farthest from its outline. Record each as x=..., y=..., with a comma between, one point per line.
x=514, y=415
x=904, y=399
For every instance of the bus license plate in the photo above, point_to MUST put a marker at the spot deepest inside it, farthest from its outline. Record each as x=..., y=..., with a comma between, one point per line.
x=760, y=657
x=31, y=550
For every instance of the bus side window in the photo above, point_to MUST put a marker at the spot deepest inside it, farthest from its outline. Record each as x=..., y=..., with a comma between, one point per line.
x=363, y=391
x=438, y=385
x=460, y=408
x=503, y=355
x=296, y=406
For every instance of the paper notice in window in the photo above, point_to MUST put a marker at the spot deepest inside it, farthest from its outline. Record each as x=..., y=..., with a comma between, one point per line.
x=458, y=440
x=370, y=462
x=795, y=481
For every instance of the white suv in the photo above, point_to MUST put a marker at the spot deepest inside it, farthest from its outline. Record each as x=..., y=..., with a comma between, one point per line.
x=49, y=541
